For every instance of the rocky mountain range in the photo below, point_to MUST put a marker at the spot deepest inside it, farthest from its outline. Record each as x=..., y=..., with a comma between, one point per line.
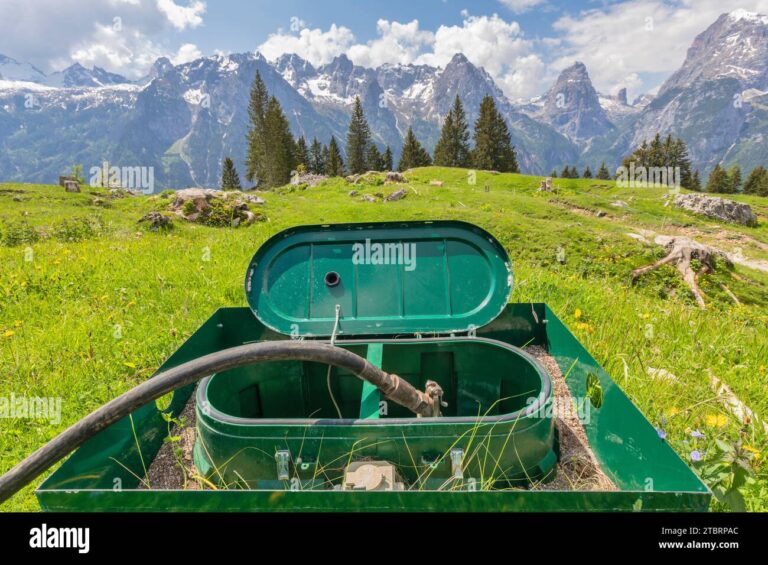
x=184, y=119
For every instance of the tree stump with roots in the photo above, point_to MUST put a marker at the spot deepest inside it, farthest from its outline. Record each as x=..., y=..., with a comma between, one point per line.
x=680, y=252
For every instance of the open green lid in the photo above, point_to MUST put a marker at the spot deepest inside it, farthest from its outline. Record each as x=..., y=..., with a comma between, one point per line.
x=386, y=278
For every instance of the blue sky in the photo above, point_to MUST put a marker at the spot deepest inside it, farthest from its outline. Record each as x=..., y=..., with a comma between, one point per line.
x=523, y=44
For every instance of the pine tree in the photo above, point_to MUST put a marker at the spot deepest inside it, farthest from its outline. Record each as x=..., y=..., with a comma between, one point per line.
x=566, y=172
x=695, y=181
x=718, y=180
x=757, y=182
x=574, y=172
x=316, y=162
x=334, y=164
x=302, y=154
x=452, y=149
x=387, y=161
x=603, y=173
x=587, y=173
x=493, y=143
x=358, y=140
x=326, y=158
x=553, y=174
x=734, y=179
x=257, y=109
x=280, y=146
x=662, y=154
x=413, y=154
x=678, y=158
x=230, y=180
x=373, y=159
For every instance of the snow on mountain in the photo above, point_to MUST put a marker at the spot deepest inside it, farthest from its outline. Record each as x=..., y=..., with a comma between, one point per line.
x=77, y=75
x=11, y=69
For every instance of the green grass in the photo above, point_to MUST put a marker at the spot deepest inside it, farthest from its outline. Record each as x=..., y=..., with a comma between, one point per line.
x=86, y=320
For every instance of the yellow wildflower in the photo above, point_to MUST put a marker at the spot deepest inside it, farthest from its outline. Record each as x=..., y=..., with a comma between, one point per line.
x=9, y=333
x=715, y=420
x=577, y=313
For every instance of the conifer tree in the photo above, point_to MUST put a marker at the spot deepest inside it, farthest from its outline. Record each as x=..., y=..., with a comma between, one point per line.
x=302, y=154
x=695, y=181
x=358, y=140
x=230, y=180
x=257, y=109
x=493, y=144
x=587, y=173
x=734, y=179
x=603, y=173
x=334, y=164
x=387, y=160
x=553, y=174
x=316, y=162
x=757, y=182
x=413, y=154
x=373, y=158
x=718, y=180
x=452, y=149
x=280, y=146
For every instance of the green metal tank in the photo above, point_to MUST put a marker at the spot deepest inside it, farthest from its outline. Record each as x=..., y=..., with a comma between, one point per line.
x=386, y=292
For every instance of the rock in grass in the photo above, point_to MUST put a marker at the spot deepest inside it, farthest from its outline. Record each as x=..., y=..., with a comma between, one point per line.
x=394, y=176
x=157, y=221
x=216, y=207
x=396, y=195
x=718, y=208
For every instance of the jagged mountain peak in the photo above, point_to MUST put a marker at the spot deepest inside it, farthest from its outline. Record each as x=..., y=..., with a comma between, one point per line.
x=11, y=69
x=741, y=14
x=76, y=75
x=572, y=105
x=294, y=69
x=735, y=46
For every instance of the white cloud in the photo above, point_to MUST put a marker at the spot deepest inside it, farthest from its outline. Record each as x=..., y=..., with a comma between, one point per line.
x=397, y=43
x=520, y=6
x=496, y=45
x=186, y=53
x=487, y=41
x=182, y=17
x=620, y=42
x=123, y=36
x=315, y=45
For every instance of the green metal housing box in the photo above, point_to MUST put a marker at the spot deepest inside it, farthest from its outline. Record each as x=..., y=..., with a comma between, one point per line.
x=498, y=396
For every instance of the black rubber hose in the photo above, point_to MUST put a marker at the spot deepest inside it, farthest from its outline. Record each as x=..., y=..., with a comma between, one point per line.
x=70, y=439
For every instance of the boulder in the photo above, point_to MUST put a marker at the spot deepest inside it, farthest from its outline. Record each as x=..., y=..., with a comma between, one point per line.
x=394, y=176
x=215, y=207
x=309, y=179
x=71, y=186
x=157, y=221
x=717, y=208
x=396, y=195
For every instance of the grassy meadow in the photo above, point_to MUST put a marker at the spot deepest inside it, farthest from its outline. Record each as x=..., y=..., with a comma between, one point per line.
x=91, y=302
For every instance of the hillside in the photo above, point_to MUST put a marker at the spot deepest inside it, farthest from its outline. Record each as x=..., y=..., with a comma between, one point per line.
x=85, y=320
